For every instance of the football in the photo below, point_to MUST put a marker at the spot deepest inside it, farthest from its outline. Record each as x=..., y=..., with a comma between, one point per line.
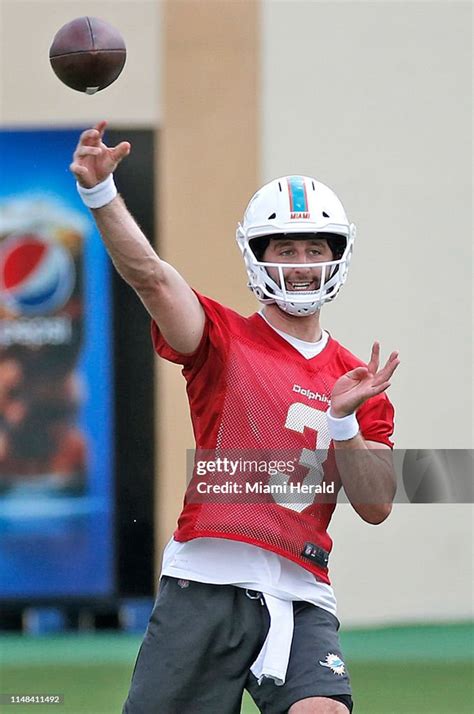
x=87, y=54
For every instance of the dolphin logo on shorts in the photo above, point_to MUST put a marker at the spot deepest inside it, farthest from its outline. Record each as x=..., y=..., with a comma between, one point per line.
x=334, y=663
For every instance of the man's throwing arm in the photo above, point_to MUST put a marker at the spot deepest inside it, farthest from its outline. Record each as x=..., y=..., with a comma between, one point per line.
x=164, y=292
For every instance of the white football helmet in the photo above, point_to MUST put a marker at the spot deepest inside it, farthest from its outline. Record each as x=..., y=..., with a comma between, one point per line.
x=296, y=207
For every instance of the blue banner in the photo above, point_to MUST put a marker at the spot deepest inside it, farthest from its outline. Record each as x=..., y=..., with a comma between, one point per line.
x=56, y=425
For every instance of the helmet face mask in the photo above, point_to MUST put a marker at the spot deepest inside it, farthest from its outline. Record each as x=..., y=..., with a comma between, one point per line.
x=297, y=208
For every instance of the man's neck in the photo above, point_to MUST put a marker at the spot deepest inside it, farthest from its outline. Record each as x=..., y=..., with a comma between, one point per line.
x=304, y=328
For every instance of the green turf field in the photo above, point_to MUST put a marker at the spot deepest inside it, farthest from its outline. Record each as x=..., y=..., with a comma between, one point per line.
x=404, y=670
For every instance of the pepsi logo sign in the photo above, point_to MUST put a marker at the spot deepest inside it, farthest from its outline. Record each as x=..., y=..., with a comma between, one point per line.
x=37, y=275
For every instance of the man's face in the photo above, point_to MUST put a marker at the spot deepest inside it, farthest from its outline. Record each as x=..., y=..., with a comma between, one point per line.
x=306, y=251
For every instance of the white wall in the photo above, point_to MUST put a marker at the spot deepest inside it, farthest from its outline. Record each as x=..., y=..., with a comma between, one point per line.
x=373, y=98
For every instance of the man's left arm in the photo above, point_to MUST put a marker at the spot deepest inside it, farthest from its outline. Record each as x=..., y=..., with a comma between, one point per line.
x=367, y=474
x=365, y=467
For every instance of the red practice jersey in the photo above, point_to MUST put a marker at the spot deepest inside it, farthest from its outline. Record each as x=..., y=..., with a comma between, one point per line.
x=252, y=394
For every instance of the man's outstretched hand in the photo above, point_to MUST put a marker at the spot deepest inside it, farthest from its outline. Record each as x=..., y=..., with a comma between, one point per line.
x=93, y=161
x=355, y=387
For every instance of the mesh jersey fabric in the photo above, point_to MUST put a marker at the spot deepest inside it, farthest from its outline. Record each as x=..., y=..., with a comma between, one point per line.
x=250, y=392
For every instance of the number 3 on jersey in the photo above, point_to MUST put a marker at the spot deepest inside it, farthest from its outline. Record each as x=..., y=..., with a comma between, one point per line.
x=300, y=417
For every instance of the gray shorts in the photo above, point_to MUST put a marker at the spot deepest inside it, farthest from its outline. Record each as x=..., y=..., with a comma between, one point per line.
x=202, y=640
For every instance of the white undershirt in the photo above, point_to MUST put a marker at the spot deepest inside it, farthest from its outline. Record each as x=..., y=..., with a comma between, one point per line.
x=307, y=349
x=227, y=562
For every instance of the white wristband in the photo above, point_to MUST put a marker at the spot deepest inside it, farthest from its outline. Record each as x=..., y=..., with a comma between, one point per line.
x=342, y=428
x=99, y=195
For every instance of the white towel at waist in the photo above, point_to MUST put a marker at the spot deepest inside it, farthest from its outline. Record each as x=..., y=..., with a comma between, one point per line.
x=274, y=656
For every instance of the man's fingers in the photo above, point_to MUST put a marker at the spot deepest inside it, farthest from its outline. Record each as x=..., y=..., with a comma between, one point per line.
x=393, y=362
x=386, y=373
x=78, y=168
x=358, y=373
x=394, y=356
x=121, y=150
x=374, y=358
x=100, y=127
x=379, y=388
x=89, y=135
x=93, y=137
x=87, y=151
x=80, y=172
x=91, y=144
x=390, y=366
